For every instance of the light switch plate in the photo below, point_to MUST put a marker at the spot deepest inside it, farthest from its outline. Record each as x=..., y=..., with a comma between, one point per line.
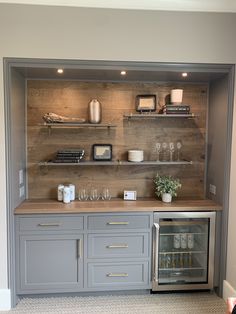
x=22, y=191
x=212, y=189
x=21, y=176
x=130, y=195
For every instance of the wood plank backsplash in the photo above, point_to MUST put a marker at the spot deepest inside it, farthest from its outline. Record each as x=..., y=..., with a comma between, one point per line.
x=70, y=98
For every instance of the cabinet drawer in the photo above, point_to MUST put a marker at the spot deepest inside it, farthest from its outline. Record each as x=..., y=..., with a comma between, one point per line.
x=113, y=222
x=51, y=223
x=118, y=275
x=116, y=245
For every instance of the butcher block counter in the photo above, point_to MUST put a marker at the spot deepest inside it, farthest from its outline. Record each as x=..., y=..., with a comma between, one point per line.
x=46, y=206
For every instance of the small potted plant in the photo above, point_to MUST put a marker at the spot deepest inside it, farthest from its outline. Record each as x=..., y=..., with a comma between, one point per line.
x=166, y=187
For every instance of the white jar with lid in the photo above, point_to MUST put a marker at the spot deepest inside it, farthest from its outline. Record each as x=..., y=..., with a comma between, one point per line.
x=60, y=189
x=66, y=194
x=72, y=192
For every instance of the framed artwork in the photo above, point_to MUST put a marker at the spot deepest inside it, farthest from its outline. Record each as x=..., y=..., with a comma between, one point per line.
x=102, y=152
x=145, y=103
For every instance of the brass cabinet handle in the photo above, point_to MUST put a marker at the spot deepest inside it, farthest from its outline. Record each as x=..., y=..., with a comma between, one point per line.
x=118, y=223
x=53, y=224
x=117, y=275
x=118, y=246
x=79, y=248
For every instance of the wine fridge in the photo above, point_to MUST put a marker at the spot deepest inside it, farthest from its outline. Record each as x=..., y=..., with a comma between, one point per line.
x=183, y=251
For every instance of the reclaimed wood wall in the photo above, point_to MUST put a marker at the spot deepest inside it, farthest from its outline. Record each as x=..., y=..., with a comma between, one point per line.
x=70, y=98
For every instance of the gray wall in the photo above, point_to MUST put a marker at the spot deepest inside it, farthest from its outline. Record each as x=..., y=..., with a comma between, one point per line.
x=99, y=34
x=106, y=34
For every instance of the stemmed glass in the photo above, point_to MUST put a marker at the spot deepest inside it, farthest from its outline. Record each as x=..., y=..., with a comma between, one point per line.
x=158, y=150
x=178, y=146
x=82, y=195
x=94, y=196
x=172, y=150
x=164, y=152
x=106, y=196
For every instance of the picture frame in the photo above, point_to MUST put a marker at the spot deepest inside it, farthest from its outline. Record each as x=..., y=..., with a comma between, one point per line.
x=146, y=103
x=102, y=152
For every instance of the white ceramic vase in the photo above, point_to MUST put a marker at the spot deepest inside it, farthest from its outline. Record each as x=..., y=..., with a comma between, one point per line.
x=166, y=197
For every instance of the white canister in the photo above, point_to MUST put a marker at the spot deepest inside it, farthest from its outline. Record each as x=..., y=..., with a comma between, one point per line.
x=72, y=192
x=60, y=189
x=176, y=96
x=190, y=241
x=183, y=240
x=66, y=194
x=176, y=242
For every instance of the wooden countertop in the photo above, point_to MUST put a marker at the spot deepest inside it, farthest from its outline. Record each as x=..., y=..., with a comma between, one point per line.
x=44, y=206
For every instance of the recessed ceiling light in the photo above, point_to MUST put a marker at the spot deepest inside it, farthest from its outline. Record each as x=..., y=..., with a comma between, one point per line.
x=184, y=74
x=123, y=72
x=60, y=71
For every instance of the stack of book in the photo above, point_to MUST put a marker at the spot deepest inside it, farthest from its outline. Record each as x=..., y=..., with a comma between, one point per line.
x=69, y=156
x=176, y=109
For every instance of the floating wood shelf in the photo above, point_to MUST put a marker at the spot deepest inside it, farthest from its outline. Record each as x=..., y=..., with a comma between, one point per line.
x=116, y=163
x=157, y=116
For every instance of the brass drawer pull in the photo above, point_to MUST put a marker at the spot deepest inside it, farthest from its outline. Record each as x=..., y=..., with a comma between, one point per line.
x=79, y=248
x=118, y=223
x=55, y=224
x=118, y=246
x=117, y=275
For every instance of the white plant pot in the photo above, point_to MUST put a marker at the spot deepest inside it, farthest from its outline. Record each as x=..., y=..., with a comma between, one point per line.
x=176, y=96
x=166, y=197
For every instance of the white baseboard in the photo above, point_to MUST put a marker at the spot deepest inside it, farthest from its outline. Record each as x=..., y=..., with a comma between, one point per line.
x=5, y=299
x=228, y=290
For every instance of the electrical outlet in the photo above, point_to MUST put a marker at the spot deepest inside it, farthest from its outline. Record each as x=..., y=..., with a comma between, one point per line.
x=212, y=189
x=21, y=176
x=22, y=191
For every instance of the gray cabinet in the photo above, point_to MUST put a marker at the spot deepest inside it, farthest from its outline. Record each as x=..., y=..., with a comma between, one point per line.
x=51, y=263
x=119, y=251
x=117, y=245
x=49, y=253
x=118, y=275
x=83, y=252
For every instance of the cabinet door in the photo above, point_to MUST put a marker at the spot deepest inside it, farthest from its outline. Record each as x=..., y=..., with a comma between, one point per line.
x=50, y=263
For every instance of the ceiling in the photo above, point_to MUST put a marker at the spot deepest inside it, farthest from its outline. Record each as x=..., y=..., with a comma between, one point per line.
x=169, y=5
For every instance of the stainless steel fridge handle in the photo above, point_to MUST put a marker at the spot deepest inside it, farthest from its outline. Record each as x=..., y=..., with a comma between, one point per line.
x=155, y=250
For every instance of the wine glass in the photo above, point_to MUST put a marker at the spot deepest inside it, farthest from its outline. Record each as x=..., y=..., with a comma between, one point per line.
x=158, y=150
x=106, y=196
x=178, y=146
x=82, y=195
x=164, y=152
x=94, y=196
x=172, y=150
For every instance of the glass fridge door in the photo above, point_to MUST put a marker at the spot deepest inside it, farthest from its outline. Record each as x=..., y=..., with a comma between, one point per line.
x=183, y=251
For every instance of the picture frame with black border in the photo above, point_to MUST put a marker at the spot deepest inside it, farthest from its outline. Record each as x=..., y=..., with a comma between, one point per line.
x=146, y=103
x=102, y=152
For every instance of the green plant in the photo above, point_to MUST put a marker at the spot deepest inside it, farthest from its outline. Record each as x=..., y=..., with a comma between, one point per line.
x=166, y=184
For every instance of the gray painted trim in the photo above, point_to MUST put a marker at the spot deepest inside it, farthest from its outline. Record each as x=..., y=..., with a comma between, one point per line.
x=8, y=156
x=110, y=65
x=225, y=213
x=206, y=141
x=8, y=63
